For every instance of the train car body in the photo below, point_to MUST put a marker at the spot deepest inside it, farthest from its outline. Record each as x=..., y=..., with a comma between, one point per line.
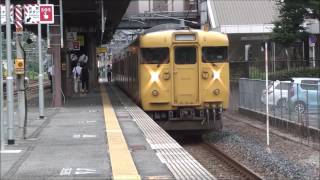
x=179, y=77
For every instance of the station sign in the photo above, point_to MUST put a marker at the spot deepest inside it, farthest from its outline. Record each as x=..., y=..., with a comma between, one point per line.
x=3, y=14
x=100, y=50
x=38, y=14
x=76, y=45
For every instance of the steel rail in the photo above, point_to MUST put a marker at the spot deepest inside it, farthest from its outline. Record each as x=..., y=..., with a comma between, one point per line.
x=244, y=171
x=33, y=87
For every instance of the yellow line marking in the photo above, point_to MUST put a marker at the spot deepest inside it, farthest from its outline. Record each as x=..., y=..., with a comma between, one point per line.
x=122, y=163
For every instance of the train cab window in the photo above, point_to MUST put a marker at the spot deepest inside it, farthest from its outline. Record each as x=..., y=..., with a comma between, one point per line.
x=214, y=54
x=155, y=55
x=185, y=55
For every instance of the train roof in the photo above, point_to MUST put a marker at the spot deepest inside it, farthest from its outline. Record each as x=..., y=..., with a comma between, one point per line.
x=166, y=38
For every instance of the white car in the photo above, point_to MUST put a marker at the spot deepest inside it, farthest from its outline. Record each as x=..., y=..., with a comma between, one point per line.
x=278, y=93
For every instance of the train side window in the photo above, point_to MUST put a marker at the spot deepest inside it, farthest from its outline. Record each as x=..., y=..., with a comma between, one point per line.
x=185, y=55
x=214, y=54
x=155, y=55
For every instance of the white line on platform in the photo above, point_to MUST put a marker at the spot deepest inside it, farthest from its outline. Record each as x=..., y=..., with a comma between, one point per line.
x=77, y=136
x=89, y=136
x=10, y=151
x=85, y=171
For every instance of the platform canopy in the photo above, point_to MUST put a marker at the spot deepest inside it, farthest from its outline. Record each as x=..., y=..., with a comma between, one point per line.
x=85, y=15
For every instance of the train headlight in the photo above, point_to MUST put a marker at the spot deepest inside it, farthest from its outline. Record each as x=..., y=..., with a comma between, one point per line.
x=155, y=93
x=216, y=92
x=154, y=76
x=216, y=75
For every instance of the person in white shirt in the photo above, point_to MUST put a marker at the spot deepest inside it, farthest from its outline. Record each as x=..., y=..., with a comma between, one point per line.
x=76, y=77
x=83, y=59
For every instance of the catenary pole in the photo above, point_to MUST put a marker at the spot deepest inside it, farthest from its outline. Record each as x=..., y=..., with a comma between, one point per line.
x=20, y=75
x=40, y=78
x=48, y=31
x=1, y=93
x=267, y=94
x=9, y=83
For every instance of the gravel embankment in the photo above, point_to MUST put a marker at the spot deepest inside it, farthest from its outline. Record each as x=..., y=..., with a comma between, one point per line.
x=283, y=160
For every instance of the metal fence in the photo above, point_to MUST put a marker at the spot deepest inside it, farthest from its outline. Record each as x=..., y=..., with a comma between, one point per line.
x=294, y=106
x=278, y=69
x=295, y=102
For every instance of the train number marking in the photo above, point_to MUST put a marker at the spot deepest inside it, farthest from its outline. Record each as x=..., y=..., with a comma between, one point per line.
x=65, y=172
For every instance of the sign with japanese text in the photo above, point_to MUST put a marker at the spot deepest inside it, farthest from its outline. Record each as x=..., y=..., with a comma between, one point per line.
x=38, y=13
x=46, y=14
x=31, y=14
x=3, y=14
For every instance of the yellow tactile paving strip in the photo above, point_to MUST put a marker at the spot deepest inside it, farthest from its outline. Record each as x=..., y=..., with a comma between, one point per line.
x=122, y=163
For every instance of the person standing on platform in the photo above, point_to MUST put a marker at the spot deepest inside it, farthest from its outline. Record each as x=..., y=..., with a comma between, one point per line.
x=83, y=59
x=76, y=77
x=85, y=78
x=109, y=71
x=50, y=75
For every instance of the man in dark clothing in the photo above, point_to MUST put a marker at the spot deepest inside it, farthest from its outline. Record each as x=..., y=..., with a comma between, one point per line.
x=109, y=70
x=84, y=77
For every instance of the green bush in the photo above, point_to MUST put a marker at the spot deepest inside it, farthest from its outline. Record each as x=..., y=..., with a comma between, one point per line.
x=286, y=75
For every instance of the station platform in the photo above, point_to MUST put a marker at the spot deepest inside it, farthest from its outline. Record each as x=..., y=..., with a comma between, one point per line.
x=100, y=135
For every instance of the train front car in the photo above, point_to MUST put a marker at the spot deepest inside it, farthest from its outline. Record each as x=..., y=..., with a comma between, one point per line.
x=184, y=78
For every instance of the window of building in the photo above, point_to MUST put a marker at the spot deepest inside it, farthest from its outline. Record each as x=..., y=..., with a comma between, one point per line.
x=160, y=5
x=190, y=5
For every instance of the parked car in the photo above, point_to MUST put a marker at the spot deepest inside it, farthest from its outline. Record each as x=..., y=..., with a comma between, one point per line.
x=278, y=93
x=304, y=94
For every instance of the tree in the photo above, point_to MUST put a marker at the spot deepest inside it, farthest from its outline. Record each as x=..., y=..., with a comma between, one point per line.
x=289, y=28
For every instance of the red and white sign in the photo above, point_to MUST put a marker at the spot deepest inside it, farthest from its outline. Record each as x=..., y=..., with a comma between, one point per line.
x=18, y=18
x=46, y=14
x=3, y=14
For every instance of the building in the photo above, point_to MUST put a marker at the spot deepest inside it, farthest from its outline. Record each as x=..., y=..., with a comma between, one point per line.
x=148, y=13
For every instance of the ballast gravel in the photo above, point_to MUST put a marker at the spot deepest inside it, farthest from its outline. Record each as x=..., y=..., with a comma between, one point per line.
x=283, y=159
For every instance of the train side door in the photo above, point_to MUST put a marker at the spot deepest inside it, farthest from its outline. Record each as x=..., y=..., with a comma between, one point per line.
x=185, y=75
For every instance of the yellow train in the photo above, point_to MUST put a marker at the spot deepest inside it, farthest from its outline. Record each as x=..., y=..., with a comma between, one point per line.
x=180, y=77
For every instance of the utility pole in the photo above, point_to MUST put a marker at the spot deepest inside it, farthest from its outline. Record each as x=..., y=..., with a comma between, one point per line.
x=41, y=93
x=1, y=93
x=20, y=66
x=267, y=94
x=9, y=83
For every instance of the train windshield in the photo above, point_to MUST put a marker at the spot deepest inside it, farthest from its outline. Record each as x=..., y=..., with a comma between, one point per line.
x=185, y=55
x=155, y=55
x=214, y=54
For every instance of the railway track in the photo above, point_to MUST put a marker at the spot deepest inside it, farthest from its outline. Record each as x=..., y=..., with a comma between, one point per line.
x=218, y=163
x=242, y=171
x=32, y=88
